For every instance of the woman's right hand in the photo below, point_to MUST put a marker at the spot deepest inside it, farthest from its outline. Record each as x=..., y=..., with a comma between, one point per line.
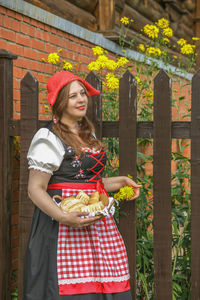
x=76, y=220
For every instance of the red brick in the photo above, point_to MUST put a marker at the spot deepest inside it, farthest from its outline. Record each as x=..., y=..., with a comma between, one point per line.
x=37, y=66
x=53, y=39
x=17, y=107
x=30, y=53
x=23, y=39
x=11, y=13
x=15, y=220
x=15, y=185
x=16, y=49
x=11, y=23
x=16, y=196
x=50, y=48
x=16, y=116
x=24, y=28
x=37, y=24
x=15, y=208
x=16, y=95
x=36, y=44
x=17, y=72
x=3, y=10
x=15, y=261
x=7, y=34
x=42, y=35
x=19, y=16
x=15, y=229
x=3, y=44
x=16, y=174
x=1, y=20
x=15, y=252
x=27, y=19
x=23, y=63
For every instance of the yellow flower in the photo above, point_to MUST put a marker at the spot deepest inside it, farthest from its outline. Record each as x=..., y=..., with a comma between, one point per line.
x=94, y=66
x=181, y=42
x=130, y=176
x=53, y=58
x=149, y=95
x=125, y=193
x=43, y=59
x=102, y=60
x=60, y=50
x=162, y=23
x=124, y=20
x=122, y=61
x=138, y=80
x=67, y=65
x=97, y=50
x=141, y=47
x=175, y=57
x=152, y=51
x=187, y=49
x=151, y=31
x=112, y=81
x=195, y=39
x=168, y=32
x=124, y=51
x=111, y=65
x=165, y=40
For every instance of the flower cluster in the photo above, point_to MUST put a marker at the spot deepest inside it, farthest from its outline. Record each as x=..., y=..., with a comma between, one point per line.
x=108, y=65
x=125, y=20
x=112, y=82
x=125, y=193
x=53, y=58
x=153, y=51
x=151, y=31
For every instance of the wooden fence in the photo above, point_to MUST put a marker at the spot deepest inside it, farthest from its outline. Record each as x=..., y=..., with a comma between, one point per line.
x=162, y=130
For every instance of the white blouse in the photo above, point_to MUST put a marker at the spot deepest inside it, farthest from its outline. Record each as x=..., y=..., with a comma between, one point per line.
x=46, y=151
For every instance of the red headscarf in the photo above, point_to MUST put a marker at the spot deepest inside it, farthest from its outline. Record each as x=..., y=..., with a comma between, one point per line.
x=60, y=79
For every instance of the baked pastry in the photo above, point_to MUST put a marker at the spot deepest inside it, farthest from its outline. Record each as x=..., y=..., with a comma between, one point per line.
x=83, y=196
x=104, y=199
x=93, y=207
x=94, y=198
x=71, y=204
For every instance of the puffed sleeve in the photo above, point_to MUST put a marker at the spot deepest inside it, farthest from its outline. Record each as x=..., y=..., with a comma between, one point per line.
x=46, y=152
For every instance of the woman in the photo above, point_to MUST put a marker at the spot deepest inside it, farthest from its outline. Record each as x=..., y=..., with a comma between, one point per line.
x=71, y=256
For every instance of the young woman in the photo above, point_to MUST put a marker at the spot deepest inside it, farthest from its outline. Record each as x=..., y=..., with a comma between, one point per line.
x=70, y=256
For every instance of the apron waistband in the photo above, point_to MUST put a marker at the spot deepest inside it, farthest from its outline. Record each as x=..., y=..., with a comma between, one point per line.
x=99, y=186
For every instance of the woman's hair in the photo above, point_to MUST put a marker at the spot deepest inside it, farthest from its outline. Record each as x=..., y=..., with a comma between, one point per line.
x=85, y=130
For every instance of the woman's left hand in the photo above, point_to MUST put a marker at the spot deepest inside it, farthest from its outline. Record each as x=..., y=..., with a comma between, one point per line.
x=129, y=182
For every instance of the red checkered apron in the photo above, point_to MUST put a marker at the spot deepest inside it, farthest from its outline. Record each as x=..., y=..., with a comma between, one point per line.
x=92, y=259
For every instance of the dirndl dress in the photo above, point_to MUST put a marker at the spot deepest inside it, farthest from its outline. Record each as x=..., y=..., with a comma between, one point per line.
x=72, y=263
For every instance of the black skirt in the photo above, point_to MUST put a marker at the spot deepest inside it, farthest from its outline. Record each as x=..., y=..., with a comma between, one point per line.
x=40, y=272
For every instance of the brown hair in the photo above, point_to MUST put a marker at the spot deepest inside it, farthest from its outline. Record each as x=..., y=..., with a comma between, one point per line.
x=85, y=130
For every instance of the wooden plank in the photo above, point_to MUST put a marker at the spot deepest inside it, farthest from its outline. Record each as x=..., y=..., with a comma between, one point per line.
x=6, y=111
x=94, y=112
x=106, y=15
x=145, y=129
x=162, y=187
x=195, y=183
x=180, y=130
x=127, y=165
x=28, y=127
x=68, y=11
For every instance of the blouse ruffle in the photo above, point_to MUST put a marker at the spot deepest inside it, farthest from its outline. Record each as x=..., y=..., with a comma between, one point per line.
x=46, y=151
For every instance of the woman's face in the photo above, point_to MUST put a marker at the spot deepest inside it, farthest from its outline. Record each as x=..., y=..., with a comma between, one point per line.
x=77, y=102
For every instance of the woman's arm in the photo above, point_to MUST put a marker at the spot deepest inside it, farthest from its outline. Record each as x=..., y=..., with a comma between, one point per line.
x=113, y=184
x=37, y=186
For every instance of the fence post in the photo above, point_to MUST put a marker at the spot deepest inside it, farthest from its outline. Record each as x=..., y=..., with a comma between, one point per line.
x=127, y=164
x=28, y=127
x=195, y=184
x=6, y=113
x=94, y=112
x=162, y=187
